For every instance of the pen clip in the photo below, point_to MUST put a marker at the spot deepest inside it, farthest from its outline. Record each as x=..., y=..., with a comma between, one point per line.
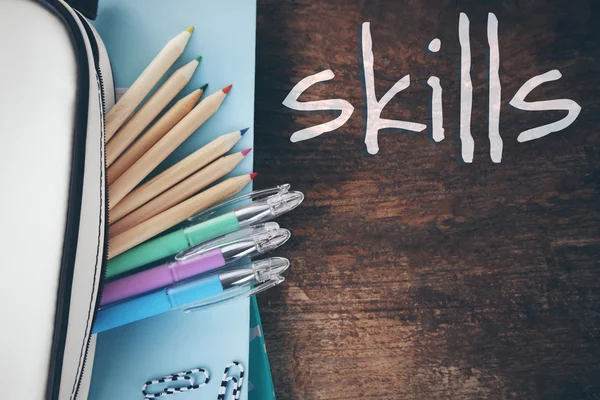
x=249, y=232
x=239, y=293
x=254, y=195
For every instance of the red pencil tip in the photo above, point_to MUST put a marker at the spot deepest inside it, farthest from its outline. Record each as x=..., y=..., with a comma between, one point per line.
x=245, y=152
x=227, y=89
x=253, y=175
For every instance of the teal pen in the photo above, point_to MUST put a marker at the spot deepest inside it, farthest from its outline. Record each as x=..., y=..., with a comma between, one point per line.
x=214, y=222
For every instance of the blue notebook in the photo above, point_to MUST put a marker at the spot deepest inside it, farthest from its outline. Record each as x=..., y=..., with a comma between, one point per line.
x=134, y=31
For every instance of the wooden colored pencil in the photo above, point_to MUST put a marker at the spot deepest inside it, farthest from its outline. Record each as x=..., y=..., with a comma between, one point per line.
x=154, y=134
x=145, y=82
x=151, y=108
x=175, y=174
x=177, y=214
x=165, y=146
x=180, y=192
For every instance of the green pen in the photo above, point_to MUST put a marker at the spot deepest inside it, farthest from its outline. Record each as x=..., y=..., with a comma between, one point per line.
x=214, y=222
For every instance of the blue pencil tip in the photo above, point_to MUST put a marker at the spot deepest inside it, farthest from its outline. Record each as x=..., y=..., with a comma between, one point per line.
x=244, y=131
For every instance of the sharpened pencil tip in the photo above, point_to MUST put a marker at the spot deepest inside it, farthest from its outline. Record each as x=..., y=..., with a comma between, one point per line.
x=253, y=175
x=203, y=87
x=245, y=152
x=244, y=131
x=199, y=58
x=227, y=89
x=190, y=29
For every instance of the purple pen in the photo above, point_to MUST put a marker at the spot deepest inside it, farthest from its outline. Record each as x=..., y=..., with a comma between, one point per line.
x=210, y=257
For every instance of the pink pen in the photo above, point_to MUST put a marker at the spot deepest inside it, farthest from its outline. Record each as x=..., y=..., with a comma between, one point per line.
x=209, y=257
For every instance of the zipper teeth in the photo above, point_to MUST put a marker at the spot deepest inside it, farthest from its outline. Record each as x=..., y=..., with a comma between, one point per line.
x=105, y=251
x=96, y=55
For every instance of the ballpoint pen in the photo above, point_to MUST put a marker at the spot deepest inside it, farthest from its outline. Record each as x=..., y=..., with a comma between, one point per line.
x=214, y=222
x=197, y=294
x=258, y=239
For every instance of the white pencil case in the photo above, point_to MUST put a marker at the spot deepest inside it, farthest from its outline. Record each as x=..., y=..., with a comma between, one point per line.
x=55, y=85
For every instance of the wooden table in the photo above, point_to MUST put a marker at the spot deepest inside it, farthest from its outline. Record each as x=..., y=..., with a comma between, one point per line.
x=416, y=275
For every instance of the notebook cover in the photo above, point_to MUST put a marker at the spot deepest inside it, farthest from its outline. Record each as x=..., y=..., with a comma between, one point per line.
x=134, y=31
x=260, y=381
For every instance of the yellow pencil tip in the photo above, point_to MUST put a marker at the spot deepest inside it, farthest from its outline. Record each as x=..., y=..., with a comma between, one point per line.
x=190, y=29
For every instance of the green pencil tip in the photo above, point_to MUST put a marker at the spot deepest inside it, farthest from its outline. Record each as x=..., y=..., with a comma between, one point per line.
x=199, y=58
x=203, y=87
x=190, y=29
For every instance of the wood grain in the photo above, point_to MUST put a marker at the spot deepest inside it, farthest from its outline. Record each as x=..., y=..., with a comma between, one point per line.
x=414, y=275
x=153, y=134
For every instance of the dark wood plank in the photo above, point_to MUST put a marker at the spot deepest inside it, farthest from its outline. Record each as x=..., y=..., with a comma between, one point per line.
x=414, y=274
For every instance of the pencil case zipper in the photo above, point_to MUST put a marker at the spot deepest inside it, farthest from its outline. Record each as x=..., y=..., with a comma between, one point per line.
x=67, y=268
x=102, y=89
